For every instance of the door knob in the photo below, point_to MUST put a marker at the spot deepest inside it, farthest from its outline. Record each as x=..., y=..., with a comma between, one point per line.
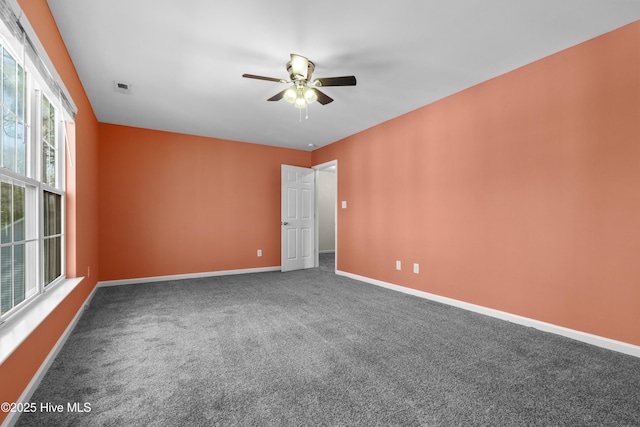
x=285, y=223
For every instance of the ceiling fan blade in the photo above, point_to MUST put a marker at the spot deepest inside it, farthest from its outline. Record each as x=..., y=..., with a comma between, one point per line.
x=277, y=96
x=269, y=79
x=336, y=81
x=323, y=98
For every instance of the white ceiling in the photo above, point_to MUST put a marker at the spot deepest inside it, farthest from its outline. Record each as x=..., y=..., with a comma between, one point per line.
x=184, y=59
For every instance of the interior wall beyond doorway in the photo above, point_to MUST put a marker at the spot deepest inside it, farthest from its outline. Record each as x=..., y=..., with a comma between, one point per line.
x=326, y=188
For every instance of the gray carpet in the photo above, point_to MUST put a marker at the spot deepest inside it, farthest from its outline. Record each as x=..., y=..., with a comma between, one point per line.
x=328, y=261
x=310, y=348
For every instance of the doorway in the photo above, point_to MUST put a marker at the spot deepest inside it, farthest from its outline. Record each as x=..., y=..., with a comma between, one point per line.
x=326, y=215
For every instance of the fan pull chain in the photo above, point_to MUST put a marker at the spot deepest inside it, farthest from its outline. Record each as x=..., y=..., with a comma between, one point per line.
x=306, y=113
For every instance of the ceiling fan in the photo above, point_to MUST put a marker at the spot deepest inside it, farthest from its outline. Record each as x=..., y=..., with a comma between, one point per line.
x=304, y=90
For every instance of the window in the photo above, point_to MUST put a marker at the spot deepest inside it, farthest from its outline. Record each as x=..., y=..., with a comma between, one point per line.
x=52, y=199
x=31, y=184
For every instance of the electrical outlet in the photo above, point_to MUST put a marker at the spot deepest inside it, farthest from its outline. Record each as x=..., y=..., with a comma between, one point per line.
x=416, y=268
x=259, y=252
x=344, y=204
x=398, y=265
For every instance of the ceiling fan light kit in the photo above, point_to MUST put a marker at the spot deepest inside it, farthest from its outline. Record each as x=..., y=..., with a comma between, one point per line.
x=303, y=90
x=300, y=96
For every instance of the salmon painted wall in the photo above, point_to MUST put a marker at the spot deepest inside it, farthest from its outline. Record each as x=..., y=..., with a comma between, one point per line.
x=82, y=213
x=520, y=194
x=178, y=204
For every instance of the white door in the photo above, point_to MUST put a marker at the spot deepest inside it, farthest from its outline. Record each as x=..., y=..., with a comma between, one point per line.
x=298, y=222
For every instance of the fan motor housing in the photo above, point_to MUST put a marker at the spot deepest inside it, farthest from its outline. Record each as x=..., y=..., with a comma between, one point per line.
x=310, y=68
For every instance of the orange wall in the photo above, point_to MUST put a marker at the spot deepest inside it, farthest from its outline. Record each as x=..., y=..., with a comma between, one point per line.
x=82, y=214
x=176, y=204
x=520, y=194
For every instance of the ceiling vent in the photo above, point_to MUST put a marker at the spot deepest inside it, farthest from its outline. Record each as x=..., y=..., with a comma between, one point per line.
x=121, y=87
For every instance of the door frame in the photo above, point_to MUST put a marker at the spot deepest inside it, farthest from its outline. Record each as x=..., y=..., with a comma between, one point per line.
x=317, y=169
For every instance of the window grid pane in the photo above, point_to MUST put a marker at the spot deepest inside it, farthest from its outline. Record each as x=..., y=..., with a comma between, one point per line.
x=9, y=80
x=15, y=285
x=6, y=279
x=21, y=147
x=19, y=292
x=52, y=204
x=14, y=100
x=46, y=107
x=49, y=141
x=52, y=218
x=22, y=93
x=52, y=127
x=8, y=139
x=18, y=213
x=52, y=259
x=6, y=212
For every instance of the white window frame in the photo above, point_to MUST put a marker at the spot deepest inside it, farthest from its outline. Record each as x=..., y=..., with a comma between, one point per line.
x=36, y=88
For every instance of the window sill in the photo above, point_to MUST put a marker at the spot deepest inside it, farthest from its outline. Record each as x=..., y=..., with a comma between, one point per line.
x=17, y=328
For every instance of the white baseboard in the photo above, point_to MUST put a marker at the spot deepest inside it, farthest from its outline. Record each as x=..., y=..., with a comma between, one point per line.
x=186, y=276
x=619, y=346
x=12, y=418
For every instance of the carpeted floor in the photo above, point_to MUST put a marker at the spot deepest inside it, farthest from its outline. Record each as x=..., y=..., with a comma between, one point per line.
x=328, y=261
x=309, y=348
